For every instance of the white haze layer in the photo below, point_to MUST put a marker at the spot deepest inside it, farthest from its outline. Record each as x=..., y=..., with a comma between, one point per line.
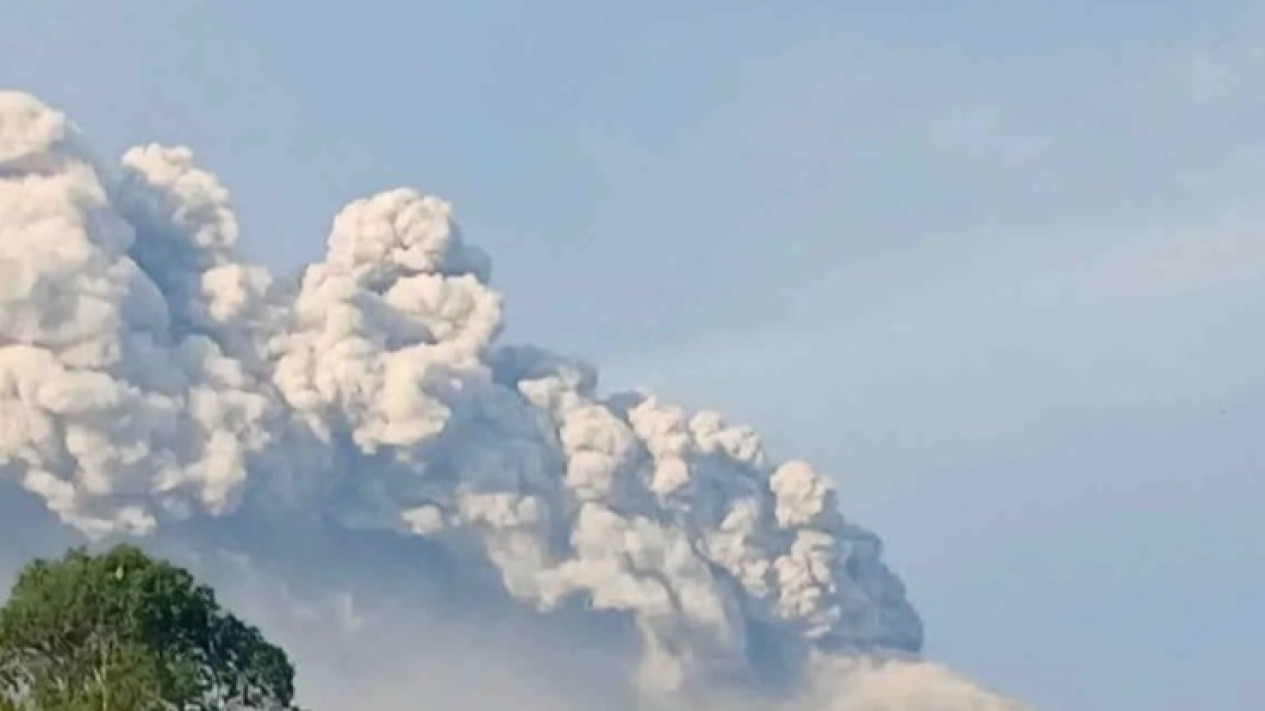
x=427, y=517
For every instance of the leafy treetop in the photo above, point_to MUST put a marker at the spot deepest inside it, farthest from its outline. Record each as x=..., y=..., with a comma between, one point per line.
x=120, y=631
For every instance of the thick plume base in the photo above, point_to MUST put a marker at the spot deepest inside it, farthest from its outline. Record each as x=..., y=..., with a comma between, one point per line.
x=358, y=435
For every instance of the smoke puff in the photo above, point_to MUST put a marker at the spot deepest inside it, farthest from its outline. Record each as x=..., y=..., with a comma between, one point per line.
x=151, y=381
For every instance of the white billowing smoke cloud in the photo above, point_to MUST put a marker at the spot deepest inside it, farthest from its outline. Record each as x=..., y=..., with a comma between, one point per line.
x=361, y=433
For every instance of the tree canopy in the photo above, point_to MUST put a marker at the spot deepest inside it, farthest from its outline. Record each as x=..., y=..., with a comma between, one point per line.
x=120, y=631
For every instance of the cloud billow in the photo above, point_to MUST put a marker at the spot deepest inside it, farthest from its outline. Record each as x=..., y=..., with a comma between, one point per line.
x=154, y=385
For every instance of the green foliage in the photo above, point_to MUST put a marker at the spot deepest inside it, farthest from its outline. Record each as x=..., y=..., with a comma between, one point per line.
x=120, y=631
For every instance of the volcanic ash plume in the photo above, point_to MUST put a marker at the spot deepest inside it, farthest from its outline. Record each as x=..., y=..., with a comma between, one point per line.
x=364, y=419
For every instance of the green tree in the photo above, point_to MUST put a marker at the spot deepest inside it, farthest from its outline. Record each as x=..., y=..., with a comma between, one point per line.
x=120, y=631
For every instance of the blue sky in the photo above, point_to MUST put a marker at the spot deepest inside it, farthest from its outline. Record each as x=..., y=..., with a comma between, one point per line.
x=998, y=267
